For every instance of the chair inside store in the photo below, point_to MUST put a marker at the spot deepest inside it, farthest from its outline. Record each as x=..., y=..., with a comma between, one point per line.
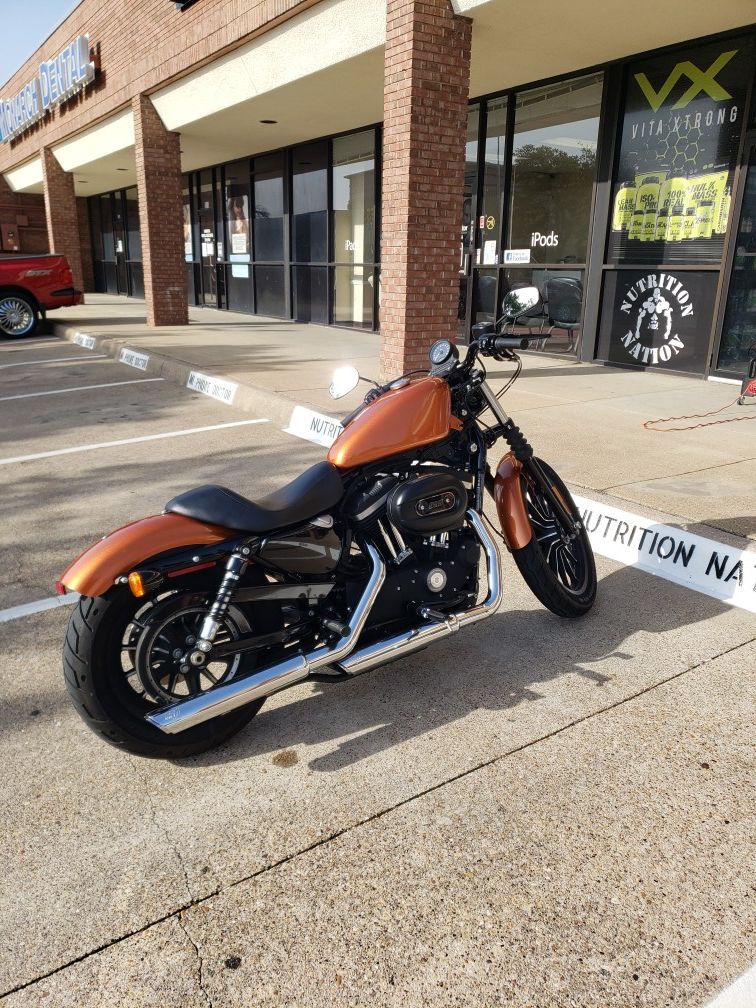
x=564, y=298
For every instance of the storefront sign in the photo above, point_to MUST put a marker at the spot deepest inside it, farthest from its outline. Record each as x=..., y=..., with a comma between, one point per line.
x=57, y=81
x=657, y=318
x=704, y=565
x=680, y=135
x=544, y=240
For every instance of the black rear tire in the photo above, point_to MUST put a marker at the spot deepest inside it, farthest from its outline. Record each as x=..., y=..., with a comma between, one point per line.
x=19, y=315
x=105, y=695
x=562, y=576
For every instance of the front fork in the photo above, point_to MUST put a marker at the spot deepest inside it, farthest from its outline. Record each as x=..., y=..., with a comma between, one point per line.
x=507, y=488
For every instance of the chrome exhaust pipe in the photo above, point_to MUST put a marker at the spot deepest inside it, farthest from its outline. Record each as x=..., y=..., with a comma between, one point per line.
x=226, y=698
x=405, y=643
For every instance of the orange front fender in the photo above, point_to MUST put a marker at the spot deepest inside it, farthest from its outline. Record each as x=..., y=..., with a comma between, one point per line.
x=510, y=503
x=118, y=553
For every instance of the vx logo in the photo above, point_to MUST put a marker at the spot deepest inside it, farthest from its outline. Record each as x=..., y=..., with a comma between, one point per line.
x=700, y=80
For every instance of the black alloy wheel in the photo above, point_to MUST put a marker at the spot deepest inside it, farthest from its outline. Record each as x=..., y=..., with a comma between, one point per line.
x=557, y=564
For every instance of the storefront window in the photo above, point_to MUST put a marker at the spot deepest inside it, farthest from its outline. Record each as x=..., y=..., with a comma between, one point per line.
x=354, y=228
x=269, y=208
x=494, y=173
x=678, y=148
x=236, y=208
x=310, y=203
x=553, y=167
x=134, y=243
x=739, y=330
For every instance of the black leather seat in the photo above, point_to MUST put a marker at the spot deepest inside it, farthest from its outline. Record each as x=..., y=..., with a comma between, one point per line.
x=316, y=490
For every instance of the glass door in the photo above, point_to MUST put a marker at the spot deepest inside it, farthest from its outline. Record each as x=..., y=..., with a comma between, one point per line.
x=119, y=237
x=208, y=294
x=738, y=340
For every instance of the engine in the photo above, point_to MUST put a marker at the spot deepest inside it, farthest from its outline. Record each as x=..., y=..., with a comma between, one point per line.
x=417, y=521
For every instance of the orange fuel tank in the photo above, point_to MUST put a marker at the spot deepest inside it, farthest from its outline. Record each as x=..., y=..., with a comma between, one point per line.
x=417, y=414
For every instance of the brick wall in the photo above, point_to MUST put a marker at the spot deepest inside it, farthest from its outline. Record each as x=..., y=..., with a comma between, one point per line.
x=158, y=169
x=62, y=214
x=22, y=221
x=426, y=86
x=137, y=47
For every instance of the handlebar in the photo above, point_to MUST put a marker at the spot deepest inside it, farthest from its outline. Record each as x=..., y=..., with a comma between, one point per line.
x=510, y=343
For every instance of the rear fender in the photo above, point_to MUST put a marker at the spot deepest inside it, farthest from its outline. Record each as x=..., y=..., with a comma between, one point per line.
x=96, y=570
x=510, y=503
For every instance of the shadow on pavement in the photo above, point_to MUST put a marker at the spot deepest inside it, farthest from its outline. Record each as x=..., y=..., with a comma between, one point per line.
x=501, y=664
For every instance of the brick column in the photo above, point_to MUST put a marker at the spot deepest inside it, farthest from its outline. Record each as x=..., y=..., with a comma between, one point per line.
x=158, y=170
x=62, y=214
x=426, y=87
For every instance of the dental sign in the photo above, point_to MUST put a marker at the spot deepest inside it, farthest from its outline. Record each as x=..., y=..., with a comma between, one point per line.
x=57, y=81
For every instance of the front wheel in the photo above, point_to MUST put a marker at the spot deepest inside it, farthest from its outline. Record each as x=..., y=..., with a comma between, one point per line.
x=561, y=572
x=121, y=661
x=19, y=315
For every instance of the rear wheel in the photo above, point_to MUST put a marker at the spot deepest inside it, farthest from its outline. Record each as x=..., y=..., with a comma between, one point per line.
x=122, y=659
x=19, y=315
x=561, y=572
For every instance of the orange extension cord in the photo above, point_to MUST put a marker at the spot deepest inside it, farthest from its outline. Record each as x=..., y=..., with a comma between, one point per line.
x=696, y=416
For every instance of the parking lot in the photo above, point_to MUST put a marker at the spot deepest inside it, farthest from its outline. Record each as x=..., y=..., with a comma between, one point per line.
x=535, y=813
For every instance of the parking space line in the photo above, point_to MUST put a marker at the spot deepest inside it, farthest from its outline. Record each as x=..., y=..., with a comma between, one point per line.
x=79, y=388
x=128, y=441
x=56, y=360
x=41, y=605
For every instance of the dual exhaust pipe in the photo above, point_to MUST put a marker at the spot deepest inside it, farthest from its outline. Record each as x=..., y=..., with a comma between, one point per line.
x=237, y=693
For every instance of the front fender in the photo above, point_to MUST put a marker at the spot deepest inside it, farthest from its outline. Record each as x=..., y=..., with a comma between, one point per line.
x=510, y=503
x=118, y=553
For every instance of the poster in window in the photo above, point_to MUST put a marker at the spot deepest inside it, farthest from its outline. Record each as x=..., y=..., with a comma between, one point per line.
x=187, y=233
x=681, y=129
x=657, y=318
x=238, y=224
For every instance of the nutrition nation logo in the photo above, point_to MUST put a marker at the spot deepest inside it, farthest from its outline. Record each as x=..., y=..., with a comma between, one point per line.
x=652, y=304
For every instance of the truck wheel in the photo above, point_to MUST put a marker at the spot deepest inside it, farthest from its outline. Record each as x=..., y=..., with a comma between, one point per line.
x=19, y=315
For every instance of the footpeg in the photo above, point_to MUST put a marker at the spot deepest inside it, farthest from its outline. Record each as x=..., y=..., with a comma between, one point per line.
x=433, y=615
x=336, y=626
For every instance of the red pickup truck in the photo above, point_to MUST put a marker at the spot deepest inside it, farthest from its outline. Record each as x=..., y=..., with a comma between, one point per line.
x=30, y=286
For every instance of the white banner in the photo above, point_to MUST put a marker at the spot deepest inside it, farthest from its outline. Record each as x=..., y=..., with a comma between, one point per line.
x=134, y=359
x=705, y=565
x=216, y=388
x=306, y=423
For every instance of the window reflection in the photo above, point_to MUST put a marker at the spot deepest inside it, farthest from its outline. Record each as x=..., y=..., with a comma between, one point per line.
x=553, y=165
x=354, y=228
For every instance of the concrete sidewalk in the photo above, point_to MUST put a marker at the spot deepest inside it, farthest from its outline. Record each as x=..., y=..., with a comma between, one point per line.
x=585, y=419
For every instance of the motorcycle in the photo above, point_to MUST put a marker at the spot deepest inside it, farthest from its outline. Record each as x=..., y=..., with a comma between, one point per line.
x=189, y=619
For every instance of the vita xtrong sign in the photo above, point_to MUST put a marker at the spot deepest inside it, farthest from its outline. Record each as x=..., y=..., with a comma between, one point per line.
x=57, y=81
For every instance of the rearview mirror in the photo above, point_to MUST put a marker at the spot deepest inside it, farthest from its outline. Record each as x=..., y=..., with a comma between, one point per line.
x=344, y=380
x=519, y=301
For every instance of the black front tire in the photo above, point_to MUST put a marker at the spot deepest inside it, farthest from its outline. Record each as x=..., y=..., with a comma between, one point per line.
x=561, y=576
x=104, y=697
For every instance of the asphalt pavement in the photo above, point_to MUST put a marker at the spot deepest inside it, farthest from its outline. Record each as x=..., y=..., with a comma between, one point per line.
x=536, y=813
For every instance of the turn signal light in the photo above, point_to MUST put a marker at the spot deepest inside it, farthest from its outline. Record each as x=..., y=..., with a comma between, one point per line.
x=135, y=584
x=60, y=588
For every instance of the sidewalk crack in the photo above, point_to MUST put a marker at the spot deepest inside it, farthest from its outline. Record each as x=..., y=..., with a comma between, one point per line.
x=200, y=962
x=170, y=843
